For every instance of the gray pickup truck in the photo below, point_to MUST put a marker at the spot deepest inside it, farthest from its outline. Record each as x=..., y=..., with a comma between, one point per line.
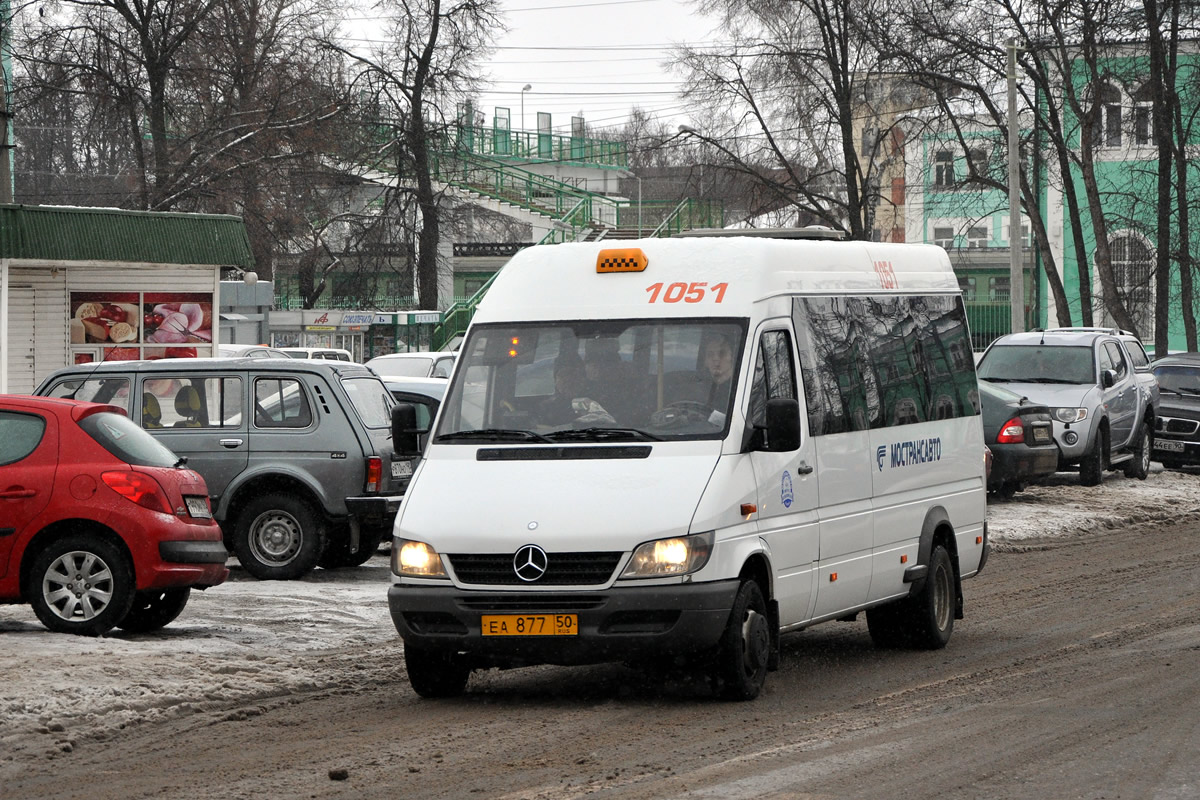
x=1103, y=398
x=297, y=454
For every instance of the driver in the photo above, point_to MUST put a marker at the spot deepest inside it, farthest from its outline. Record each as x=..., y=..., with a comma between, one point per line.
x=718, y=363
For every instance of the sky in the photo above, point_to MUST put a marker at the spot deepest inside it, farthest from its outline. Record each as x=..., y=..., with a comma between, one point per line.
x=598, y=57
x=595, y=58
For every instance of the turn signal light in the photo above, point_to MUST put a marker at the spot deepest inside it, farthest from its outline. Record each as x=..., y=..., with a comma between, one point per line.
x=1011, y=432
x=832, y=577
x=748, y=509
x=374, y=474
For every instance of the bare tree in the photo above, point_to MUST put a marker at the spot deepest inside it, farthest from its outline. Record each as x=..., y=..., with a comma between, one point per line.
x=409, y=88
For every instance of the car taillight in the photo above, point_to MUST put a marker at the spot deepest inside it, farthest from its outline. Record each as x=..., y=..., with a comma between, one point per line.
x=141, y=489
x=374, y=473
x=1011, y=432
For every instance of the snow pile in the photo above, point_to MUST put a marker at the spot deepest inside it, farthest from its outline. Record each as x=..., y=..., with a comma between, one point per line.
x=253, y=640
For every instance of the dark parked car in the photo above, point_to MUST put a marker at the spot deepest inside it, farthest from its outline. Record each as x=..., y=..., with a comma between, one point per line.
x=1177, y=430
x=1021, y=437
x=100, y=525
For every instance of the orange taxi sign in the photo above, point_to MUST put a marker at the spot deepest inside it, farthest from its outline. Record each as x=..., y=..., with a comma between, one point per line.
x=625, y=259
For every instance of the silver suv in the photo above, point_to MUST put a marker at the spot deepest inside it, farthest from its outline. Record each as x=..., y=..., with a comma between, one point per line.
x=1098, y=384
x=297, y=455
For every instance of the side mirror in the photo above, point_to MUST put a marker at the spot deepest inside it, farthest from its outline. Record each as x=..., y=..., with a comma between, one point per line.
x=404, y=430
x=783, y=425
x=1108, y=379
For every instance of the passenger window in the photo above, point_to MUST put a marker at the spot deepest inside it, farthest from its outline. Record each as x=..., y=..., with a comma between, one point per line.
x=114, y=391
x=442, y=368
x=280, y=403
x=1118, y=359
x=1137, y=354
x=1105, y=359
x=774, y=374
x=20, y=435
x=191, y=402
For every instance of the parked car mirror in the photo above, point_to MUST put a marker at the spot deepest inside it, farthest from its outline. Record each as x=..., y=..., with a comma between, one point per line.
x=405, y=430
x=1108, y=379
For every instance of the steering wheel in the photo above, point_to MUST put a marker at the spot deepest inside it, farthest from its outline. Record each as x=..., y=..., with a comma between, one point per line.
x=681, y=412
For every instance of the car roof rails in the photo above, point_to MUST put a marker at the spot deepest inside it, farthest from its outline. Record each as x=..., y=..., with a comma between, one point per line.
x=1094, y=329
x=807, y=232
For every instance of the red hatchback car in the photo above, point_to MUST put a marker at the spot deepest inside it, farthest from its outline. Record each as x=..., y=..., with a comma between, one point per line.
x=100, y=525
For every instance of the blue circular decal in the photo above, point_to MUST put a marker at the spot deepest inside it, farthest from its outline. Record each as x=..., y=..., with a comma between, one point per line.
x=785, y=490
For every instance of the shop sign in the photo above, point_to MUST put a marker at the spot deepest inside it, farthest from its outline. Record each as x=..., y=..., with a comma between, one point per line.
x=428, y=318
x=320, y=327
x=351, y=318
x=314, y=317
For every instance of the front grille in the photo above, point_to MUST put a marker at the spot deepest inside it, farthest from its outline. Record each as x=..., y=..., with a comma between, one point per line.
x=530, y=603
x=562, y=569
x=1178, y=427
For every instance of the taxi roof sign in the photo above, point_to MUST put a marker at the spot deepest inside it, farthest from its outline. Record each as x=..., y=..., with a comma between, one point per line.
x=625, y=259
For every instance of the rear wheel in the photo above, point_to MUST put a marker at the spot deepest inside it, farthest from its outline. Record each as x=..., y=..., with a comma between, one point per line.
x=1139, y=467
x=278, y=537
x=435, y=673
x=81, y=584
x=925, y=620
x=155, y=608
x=745, y=648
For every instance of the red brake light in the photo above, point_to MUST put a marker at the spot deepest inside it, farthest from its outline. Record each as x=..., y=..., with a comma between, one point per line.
x=374, y=473
x=139, y=488
x=1011, y=432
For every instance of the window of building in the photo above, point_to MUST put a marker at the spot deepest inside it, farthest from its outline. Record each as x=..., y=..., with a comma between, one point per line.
x=978, y=157
x=1133, y=265
x=967, y=284
x=943, y=169
x=998, y=288
x=977, y=236
x=1106, y=132
x=943, y=236
x=1143, y=115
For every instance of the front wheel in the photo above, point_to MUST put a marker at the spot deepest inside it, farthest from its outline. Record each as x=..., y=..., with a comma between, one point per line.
x=278, y=537
x=1139, y=467
x=1091, y=467
x=81, y=584
x=155, y=608
x=745, y=648
x=434, y=673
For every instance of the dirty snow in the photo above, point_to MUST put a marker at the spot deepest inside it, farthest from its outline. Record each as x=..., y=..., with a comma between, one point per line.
x=248, y=639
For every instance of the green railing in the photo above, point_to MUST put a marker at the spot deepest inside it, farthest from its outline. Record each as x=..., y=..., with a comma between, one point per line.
x=989, y=320
x=534, y=146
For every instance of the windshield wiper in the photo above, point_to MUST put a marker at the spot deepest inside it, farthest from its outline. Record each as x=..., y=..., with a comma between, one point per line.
x=182, y=462
x=998, y=380
x=1185, y=390
x=496, y=435
x=1047, y=380
x=599, y=434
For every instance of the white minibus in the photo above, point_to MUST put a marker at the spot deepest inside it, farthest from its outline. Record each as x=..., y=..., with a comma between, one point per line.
x=672, y=451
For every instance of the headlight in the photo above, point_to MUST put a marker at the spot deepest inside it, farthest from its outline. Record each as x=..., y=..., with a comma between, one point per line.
x=416, y=560
x=678, y=555
x=1070, y=414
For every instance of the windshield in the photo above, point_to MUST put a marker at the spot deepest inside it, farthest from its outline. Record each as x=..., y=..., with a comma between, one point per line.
x=123, y=438
x=643, y=380
x=371, y=400
x=1038, y=364
x=1180, y=380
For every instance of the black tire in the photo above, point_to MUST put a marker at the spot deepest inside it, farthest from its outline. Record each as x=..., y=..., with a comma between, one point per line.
x=1139, y=467
x=930, y=618
x=155, y=608
x=81, y=584
x=924, y=620
x=278, y=537
x=435, y=673
x=886, y=625
x=1007, y=489
x=745, y=648
x=1091, y=468
x=337, y=551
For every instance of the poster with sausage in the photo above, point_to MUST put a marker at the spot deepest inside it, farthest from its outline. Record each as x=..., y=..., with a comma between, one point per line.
x=135, y=325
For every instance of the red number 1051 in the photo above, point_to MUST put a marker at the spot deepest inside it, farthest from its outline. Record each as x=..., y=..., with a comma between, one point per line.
x=686, y=292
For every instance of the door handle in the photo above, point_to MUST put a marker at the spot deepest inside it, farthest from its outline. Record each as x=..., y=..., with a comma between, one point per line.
x=16, y=494
x=231, y=443
x=803, y=469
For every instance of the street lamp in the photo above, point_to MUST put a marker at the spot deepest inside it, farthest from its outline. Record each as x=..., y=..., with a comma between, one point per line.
x=524, y=89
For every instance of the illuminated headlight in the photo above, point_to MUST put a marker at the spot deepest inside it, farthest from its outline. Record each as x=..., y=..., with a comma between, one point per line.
x=1070, y=414
x=416, y=560
x=678, y=555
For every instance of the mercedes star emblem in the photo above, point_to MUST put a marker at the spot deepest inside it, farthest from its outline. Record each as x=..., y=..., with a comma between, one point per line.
x=530, y=563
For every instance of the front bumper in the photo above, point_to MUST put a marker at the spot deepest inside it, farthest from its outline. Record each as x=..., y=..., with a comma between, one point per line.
x=1189, y=454
x=1072, y=453
x=617, y=624
x=374, y=511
